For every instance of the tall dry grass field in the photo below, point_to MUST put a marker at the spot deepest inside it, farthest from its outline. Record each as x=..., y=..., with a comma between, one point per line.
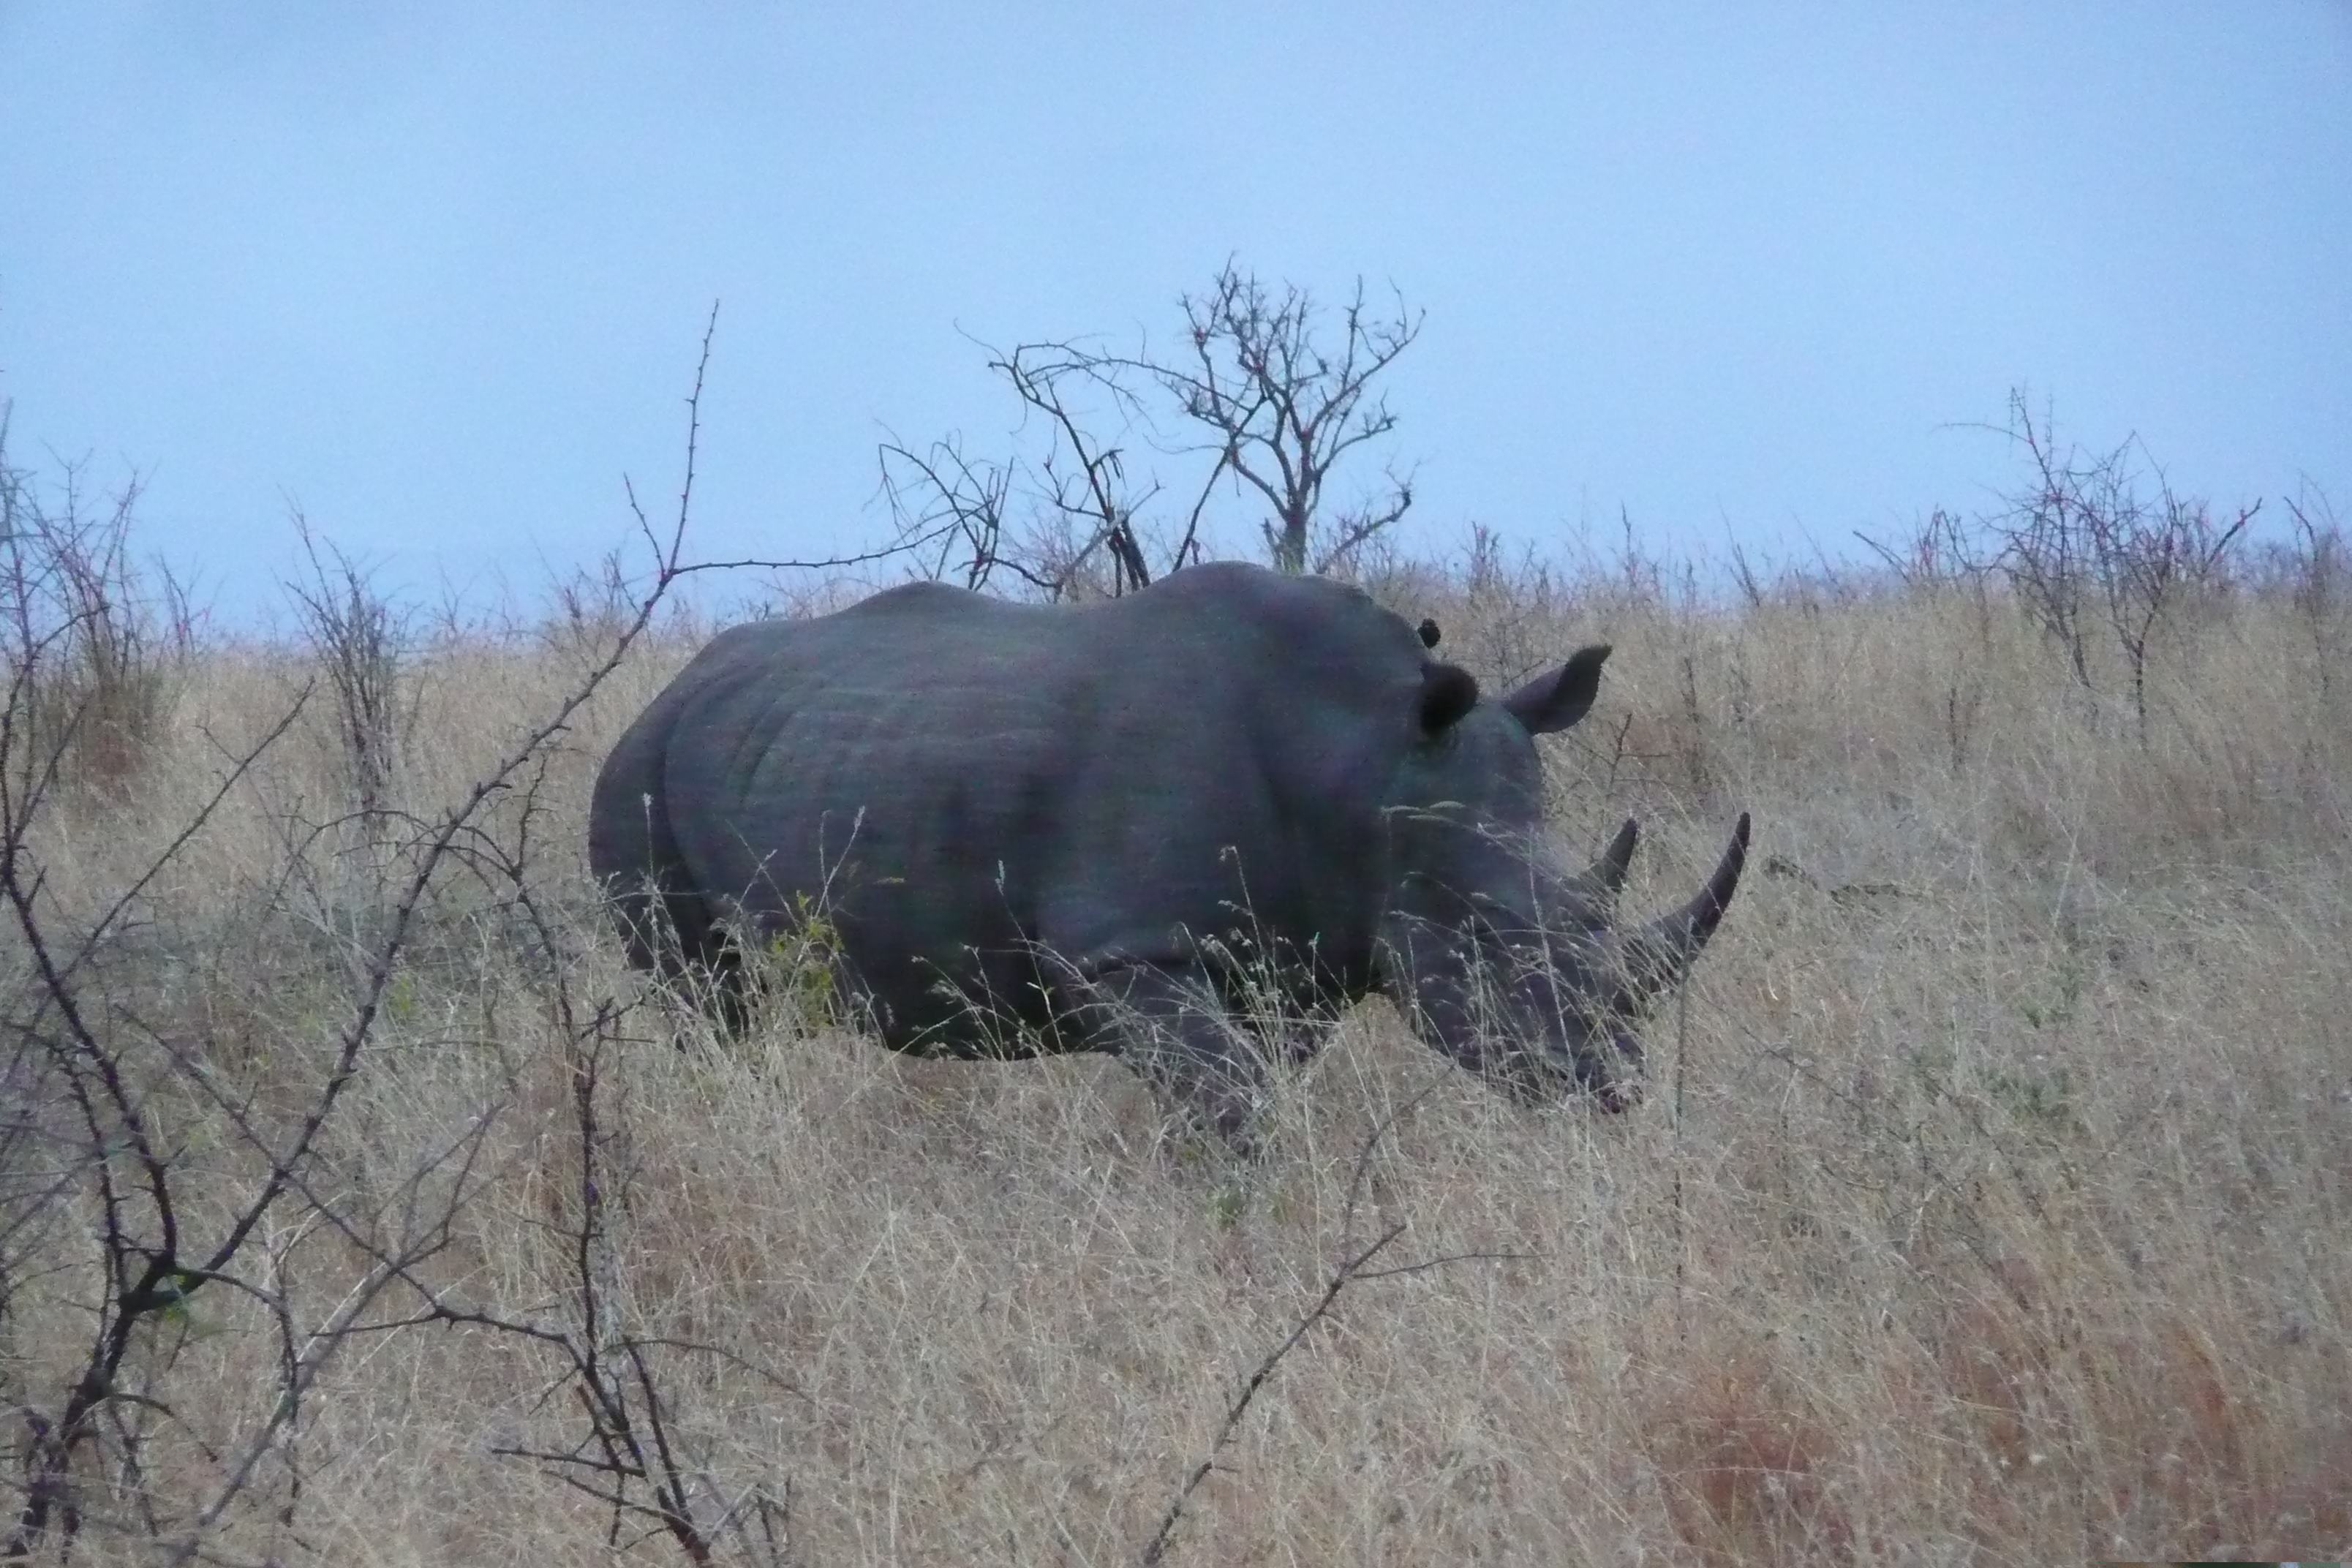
x=1991, y=1200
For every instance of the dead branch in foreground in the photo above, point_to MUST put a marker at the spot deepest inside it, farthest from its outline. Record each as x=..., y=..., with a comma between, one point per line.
x=102, y=1091
x=1350, y=1270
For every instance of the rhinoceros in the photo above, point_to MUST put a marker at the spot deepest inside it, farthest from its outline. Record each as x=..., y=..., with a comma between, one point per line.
x=1126, y=825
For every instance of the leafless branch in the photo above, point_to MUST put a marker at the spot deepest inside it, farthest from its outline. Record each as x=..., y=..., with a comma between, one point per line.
x=1349, y=1270
x=153, y=1255
x=1281, y=407
x=1346, y=1274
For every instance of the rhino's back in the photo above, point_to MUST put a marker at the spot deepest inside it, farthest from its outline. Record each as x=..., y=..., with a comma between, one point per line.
x=909, y=741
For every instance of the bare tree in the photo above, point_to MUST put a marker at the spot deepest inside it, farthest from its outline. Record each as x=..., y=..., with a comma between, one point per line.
x=2311, y=564
x=364, y=643
x=1281, y=407
x=2080, y=544
x=1084, y=489
x=80, y=621
x=1063, y=522
x=950, y=506
x=1285, y=408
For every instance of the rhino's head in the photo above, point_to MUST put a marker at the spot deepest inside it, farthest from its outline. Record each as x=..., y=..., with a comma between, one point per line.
x=1513, y=965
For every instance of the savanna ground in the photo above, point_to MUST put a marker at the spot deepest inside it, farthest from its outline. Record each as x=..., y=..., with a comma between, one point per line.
x=1991, y=1200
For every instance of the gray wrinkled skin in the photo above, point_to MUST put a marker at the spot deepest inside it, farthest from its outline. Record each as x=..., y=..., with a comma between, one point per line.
x=1037, y=829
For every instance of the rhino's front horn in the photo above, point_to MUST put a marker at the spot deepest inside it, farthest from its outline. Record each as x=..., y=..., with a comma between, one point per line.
x=1659, y=954
x=1588, y=900
x=1605, y=876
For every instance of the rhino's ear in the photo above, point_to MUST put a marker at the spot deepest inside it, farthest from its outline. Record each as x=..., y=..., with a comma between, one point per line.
x=1447, y=692
x=1550, y=703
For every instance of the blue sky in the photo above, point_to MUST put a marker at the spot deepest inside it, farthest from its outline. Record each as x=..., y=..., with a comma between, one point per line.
x=437, y=273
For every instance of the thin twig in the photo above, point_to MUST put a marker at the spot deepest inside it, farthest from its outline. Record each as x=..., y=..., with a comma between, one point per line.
x=1341, y=1277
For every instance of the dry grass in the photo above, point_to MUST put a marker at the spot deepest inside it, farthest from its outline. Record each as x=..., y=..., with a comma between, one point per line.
x=1990, y=1205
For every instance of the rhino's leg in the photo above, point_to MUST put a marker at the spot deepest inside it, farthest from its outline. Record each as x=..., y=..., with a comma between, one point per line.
x=673, y=934
x=1170, y=1026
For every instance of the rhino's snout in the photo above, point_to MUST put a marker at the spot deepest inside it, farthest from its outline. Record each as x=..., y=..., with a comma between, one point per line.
x=1588, y=1076
x=1610, y=1074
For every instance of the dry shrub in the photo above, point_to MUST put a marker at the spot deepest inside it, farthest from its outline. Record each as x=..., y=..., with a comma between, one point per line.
x=91, y=645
